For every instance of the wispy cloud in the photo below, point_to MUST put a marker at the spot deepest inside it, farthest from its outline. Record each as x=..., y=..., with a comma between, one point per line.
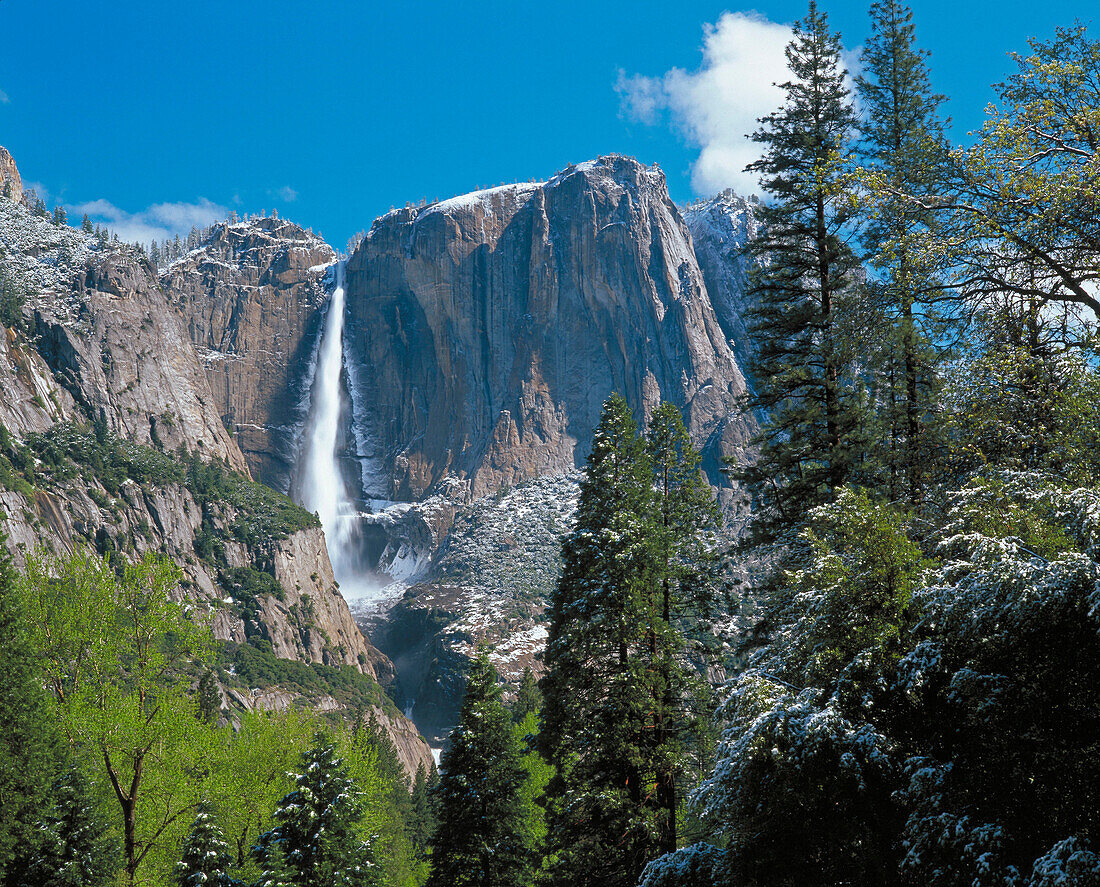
x=718, y=105
x=4, y=98
x=285, y=193
x=157, y=222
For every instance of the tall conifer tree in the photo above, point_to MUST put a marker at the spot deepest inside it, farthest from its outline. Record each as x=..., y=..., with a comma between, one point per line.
x=803, y=281
x=614, y=719
x=483, y=834
x=903, y=143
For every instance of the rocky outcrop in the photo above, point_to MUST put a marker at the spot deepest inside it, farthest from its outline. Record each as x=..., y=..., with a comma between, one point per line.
x=249, y=297
x=11, y=184
x=128, y=356
x=720, y=229
x=488, y=329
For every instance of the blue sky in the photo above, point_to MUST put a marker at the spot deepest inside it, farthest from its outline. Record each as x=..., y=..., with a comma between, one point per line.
x=160, y=115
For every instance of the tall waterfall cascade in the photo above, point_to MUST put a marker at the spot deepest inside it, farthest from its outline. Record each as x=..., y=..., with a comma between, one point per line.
x=319, y=484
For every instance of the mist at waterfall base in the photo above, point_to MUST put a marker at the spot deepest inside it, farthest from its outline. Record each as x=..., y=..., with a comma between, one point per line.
x=319, y=484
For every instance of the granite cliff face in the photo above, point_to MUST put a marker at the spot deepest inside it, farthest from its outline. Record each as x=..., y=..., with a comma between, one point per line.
x=102, y=342
x=10, y=180
x=720, y=229
x=249, y=297
x=488, y=329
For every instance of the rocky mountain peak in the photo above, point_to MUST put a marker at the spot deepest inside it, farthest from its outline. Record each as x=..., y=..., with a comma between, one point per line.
x=10, y=180
x=490, y=327
x=721, y=226
x=249, y=296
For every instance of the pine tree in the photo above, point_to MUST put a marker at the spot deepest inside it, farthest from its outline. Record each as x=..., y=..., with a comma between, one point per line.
x=482, y=837
x=423, y=819
x=614, y=718
x=805, y=269
x=685, y=516
x=59, y=216
x=208, y=697
x=86, y=224
x=28, y=740
x=317, y=834
x=206, y=858
x=528, y=697
x=904, y=146
x=72, y=846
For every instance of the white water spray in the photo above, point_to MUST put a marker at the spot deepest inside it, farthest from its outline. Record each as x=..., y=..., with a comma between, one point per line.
x=320, y=483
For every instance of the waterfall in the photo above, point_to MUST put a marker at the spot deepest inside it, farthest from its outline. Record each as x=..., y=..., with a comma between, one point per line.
x=319, y=483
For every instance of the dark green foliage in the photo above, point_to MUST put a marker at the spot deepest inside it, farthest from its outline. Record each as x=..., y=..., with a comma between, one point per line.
x=317, y=827
x=208, y=698
x=255, y=665
x=14, y=292
x=28, y=740
x=812, y=437
x=618, y=688
x=72, y=846
x=206, y=859
x=528, y=697
x=86, y=224
x=903, y=144
x=483, y=836
x=423, y=819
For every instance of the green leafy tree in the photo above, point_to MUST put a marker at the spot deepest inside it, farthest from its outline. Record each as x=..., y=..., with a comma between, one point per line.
x=206, y=859
x=316, y=836
x=1016, y=218
x=483, y=835
x=804, y=324
x=116, y=653
x=86, y=224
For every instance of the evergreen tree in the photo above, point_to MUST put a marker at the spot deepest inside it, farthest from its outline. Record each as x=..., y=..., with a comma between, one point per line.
x=803, y=279
x=206, y=858
x=636, y=572
x=423, y=820
x=904, y=146
x=684, y=518
x=86, y=224
x=596, y=697
x=483, y=835
x=28, y=740
x=208, y=697
x=317, y=837
x=528, y=697
x=59, y=216
x=73, y=846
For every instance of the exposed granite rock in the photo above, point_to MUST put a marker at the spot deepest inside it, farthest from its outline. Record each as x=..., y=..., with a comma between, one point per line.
x=489, y=329
x=249, y=297
x=486, y=581
x=720, y=229
x=31, y=399
x=129, y=356
x=10, y=180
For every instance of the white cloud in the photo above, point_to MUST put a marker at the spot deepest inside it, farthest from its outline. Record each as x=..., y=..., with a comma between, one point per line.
x=285, y=193
x=4, y=98
x=157, y=222
x=718, y=105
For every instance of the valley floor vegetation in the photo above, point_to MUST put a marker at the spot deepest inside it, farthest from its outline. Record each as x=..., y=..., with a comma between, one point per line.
x=919, y=700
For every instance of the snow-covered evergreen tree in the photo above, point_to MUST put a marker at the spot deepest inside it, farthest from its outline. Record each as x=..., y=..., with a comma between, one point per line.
x=206, y=859
x=318, y=834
